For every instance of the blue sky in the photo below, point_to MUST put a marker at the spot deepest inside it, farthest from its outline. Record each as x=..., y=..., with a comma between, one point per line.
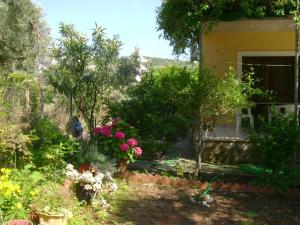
x=133, y=20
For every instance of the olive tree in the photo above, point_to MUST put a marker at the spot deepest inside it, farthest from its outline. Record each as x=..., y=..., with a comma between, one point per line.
x=24, y=35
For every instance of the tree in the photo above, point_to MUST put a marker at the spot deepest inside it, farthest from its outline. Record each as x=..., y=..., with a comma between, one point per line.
x=128, y=68
x=24, y=34
x=183, y=22
x=85, y=70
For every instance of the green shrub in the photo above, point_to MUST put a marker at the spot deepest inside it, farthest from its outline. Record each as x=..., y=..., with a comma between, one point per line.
x=275, y=143
x=157, y=105
x=50, y=148
x=14, y=147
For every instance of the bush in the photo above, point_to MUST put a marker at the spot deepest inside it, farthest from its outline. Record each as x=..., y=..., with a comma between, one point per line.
x=157, y=105
x=276, y=141
x=14, y=147
x=50, y=148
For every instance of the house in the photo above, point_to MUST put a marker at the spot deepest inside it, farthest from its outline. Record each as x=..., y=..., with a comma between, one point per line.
x=267, y=46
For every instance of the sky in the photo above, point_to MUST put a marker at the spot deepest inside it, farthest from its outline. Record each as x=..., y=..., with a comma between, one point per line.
x=133, y=20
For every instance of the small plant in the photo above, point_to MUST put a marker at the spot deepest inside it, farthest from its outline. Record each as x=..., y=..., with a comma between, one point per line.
x=91, y=182
x=10, y=197
x=52, y=199
x=117, y=139
x=92, y=157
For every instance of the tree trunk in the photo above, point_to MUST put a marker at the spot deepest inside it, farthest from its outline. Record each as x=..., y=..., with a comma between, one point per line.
x=71, y=106
x=198, y=142
x=200, y=51
x=42, y=103
x=27, y=100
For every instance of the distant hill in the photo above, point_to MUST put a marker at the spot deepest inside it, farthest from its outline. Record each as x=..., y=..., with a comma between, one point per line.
x=160, y=62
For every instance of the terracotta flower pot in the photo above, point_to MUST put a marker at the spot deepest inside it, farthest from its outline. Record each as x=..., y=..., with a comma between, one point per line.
x=123, y=166
x=55, y=219
x=84, y=167
x=19, y=222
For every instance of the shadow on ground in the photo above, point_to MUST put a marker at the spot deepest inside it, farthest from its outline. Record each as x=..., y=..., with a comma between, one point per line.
x=155, y=204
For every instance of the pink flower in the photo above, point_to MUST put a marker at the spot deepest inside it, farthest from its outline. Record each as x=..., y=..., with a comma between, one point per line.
x=97, y=130
x=106, y=131
x=124, y=147
x=132, y=142
x=138, y=150
x=119, y=135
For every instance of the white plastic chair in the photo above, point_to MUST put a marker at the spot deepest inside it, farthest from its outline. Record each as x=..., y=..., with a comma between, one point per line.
x=284, y=109
x=239, y=116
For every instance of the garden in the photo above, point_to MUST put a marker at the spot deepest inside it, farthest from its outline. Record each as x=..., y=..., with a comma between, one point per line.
x=83, y=141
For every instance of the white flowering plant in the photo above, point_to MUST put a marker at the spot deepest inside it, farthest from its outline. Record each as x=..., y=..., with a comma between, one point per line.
x=92, y=180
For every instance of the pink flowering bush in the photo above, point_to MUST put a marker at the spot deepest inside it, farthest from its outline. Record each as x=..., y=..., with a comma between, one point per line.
x=117, y=139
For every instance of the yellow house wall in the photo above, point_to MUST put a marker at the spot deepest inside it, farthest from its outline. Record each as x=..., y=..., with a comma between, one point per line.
x=220, y=50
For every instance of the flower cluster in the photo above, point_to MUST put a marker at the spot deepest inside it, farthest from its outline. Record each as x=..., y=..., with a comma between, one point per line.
x=116, y=138
x=91, y=181
x=10, y=193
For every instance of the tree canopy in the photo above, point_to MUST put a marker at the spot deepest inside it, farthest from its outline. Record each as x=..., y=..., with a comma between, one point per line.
x=183, y=21
x=85, y=70
x=24, y=33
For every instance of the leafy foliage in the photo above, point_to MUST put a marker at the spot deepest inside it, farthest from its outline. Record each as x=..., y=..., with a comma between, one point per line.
x=128, y=68
x=168, y=99
x=50, y=147
x=17, y=188
x=24, y=33
x=215, y=96
x=182, y=21
x=52, y=199
x=276, y=141
x=14, y=147
x=85, y=71
x=159, y=99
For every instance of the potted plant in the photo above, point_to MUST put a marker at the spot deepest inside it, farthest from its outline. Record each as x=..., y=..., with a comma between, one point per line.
x=117, y=139
x=52, y=204
x=89, y=183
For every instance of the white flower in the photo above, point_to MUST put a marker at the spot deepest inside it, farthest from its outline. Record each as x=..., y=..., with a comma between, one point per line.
x=87, y=177
x=205, y=204
x=88, y=187
x=97, y=186
x=70, y=167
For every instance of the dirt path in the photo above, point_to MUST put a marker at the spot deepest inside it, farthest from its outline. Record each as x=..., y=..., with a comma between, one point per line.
x=148, y=204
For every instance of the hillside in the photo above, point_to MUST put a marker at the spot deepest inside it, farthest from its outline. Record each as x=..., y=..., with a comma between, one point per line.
x=160, y=62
